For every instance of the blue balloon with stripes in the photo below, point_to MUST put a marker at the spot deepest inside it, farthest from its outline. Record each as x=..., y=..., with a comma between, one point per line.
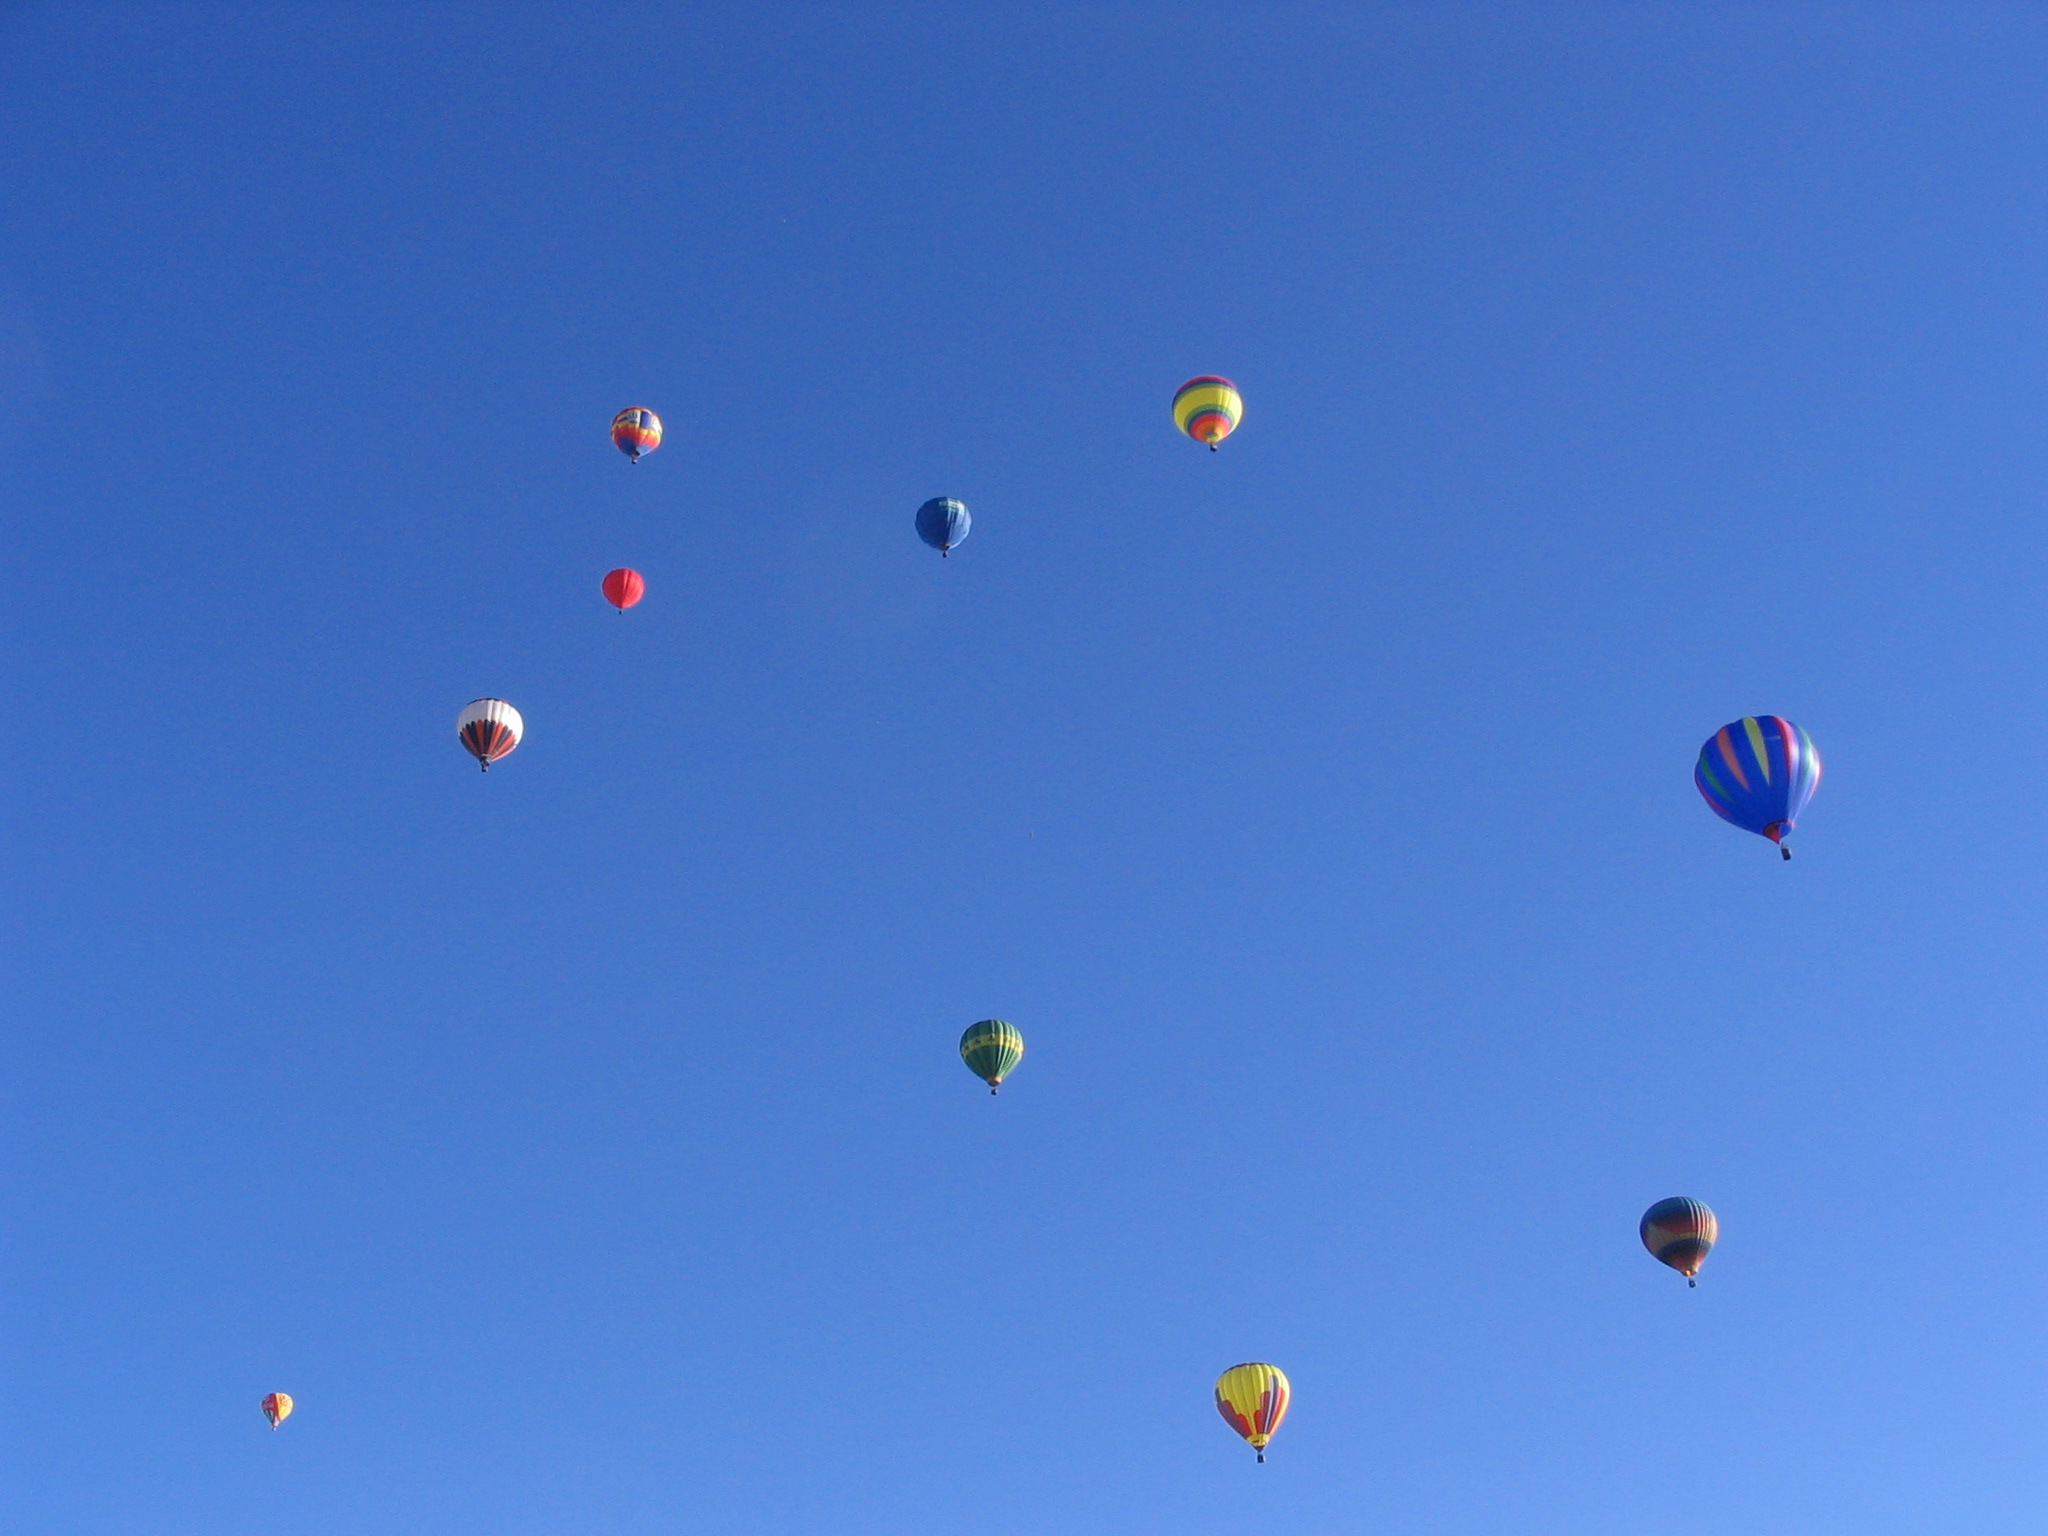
x=1758, y=773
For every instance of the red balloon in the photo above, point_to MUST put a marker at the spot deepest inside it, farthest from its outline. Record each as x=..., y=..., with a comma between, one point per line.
x=624, y=588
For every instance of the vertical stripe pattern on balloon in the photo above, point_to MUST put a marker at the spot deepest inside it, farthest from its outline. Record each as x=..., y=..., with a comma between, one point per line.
x=490, y=729
x=1680, y=1232
x=1758, y=773
x=1253, y=1399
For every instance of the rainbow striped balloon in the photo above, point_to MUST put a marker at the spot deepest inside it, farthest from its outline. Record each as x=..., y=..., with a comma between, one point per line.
x=1758, y=773
x=636, y=430
x=1680, y=1232
x=1208, y=409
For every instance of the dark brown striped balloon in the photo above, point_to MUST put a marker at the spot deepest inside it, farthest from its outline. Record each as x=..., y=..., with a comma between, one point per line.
x=1680, y=1232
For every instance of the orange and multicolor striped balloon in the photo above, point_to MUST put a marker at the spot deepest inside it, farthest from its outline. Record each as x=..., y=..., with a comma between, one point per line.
x=636, y=430
x=1208, y=409
x=1253, y=1400
x=277, y=1408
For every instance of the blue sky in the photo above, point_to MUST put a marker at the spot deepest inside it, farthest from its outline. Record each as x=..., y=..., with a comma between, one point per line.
x=584, y=1146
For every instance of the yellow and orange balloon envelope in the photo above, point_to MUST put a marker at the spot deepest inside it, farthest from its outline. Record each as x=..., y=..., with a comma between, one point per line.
x=1253, y=1400
x=1208, y=409
x=277, y=1408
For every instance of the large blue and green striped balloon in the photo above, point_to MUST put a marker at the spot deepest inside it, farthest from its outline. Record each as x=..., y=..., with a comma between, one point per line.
x=1759, y=773
x=992, y=1050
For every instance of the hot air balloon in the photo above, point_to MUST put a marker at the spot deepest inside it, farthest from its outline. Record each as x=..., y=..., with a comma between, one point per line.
x=623, y=588
x=1253, y=1400
x=490, y=729
x=992, y=1050
x=277, y=1408
x=1759, y=773
x=943, y=522
x=636, y=430
x=1680, y=1232
x=1208, y=409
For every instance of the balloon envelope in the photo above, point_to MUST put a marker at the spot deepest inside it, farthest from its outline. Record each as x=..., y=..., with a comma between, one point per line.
x=1208, y=409
x=1253, y=1399
x=277, y=1408
x=943, y=522
x=992, y=1050
x=636, y=430
x=489, y=729
x=623, y=588
x=1680, y=1232
x=1758, y=773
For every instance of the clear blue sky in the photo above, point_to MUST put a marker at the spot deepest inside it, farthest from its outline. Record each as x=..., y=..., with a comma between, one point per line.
x=584, y=1146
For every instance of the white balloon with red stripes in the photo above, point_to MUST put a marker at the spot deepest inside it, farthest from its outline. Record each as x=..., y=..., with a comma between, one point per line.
x=489, y=729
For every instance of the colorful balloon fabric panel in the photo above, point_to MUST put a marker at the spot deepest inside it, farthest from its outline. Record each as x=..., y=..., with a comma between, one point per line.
x=1208, y=409
x=1759, y=773
x=1680, y=1232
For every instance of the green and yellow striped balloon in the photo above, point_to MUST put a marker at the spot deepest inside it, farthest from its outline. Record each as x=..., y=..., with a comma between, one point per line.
x=992, y=1050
